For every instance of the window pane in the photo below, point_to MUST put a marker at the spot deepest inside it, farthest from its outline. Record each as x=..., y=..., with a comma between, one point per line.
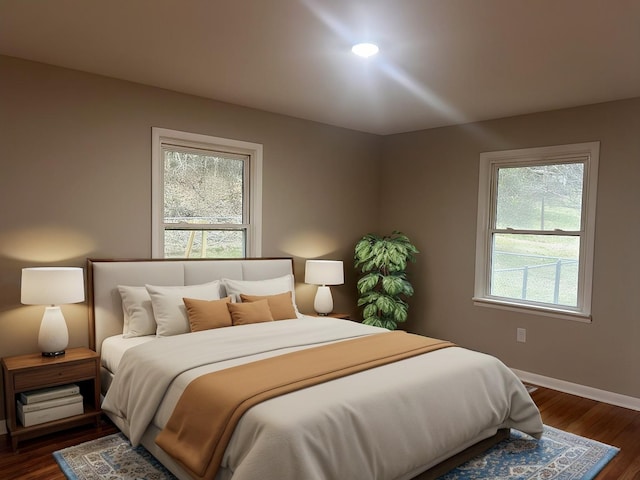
x=204, y=243
x=541, y=197
x=203, y=188
x=537, y=268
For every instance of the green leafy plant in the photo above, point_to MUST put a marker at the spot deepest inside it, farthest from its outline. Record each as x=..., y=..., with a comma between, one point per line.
x=383, y=287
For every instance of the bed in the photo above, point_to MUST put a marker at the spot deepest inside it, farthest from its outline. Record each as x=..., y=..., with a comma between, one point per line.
x=412, y=418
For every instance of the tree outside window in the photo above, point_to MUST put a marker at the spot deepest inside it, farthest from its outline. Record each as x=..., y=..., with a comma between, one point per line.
x=206, y=196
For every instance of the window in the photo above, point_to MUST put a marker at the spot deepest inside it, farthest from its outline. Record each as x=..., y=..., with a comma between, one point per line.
x=535, y=234
x=206, y=196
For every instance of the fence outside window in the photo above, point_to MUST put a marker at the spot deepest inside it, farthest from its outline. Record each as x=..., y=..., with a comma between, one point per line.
x=532, y=280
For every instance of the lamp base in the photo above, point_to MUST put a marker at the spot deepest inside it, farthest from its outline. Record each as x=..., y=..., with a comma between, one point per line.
x=323, y=303
x=53, y=354
x=53, y=337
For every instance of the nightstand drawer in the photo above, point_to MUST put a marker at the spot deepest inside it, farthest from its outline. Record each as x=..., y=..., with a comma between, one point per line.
x=54, y=375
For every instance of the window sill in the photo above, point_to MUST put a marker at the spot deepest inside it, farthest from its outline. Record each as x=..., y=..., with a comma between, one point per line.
x=534, y=310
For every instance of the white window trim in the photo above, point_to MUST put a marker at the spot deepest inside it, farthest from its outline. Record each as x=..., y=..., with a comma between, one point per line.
x=488, y=161
x=254, y=150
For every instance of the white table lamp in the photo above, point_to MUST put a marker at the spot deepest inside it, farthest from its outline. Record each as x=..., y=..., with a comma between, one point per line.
x=323, y=273
x=53, y=286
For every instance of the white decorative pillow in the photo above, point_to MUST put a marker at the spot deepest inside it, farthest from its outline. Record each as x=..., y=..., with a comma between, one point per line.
x=271, y=286
x=137, y=310
x=169, y=309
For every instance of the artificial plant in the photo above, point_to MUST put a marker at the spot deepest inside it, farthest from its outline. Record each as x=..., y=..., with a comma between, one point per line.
x=383, y=287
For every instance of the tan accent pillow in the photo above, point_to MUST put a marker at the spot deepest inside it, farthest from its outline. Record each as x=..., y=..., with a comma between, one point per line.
x=254, y=312
x=281, y=305
x=270, y=286
x=207, y=314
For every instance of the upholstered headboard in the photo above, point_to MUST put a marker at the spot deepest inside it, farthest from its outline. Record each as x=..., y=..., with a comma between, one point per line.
x=104, y=276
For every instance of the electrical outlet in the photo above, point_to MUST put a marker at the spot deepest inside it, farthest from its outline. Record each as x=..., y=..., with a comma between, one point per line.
x=521, y=335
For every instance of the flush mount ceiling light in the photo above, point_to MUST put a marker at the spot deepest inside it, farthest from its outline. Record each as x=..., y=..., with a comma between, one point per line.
x=365, y=49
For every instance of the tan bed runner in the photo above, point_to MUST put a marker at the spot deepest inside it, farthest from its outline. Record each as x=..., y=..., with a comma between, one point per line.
x=201, y=425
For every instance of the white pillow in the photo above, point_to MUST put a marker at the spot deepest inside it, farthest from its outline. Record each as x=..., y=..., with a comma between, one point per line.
x=169, y=309
x=271, y=286
x=137, y=310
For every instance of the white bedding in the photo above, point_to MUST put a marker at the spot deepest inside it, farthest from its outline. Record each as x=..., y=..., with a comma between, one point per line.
x=113, y=349
x=387, y=423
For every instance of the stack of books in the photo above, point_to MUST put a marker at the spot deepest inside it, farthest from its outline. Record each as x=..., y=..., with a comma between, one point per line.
x=47, y=404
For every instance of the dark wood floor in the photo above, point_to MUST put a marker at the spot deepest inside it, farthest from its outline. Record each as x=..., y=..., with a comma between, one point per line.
x=608, y=424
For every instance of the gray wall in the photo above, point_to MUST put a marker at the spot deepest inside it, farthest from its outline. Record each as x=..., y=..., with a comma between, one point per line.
x=432, y=195
x=75, y=183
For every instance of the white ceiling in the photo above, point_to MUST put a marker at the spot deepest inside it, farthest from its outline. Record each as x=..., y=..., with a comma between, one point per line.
x=442, y=62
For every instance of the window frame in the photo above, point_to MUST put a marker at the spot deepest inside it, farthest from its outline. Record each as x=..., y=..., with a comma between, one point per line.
x=187, y=140
x=490, y=163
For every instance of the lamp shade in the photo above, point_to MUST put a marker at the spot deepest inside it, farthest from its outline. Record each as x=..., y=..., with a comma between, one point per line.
x=52, y=285
x=324, y=272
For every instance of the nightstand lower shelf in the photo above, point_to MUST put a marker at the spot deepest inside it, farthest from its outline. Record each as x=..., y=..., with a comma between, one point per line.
x=25, y=433
x=24, y=373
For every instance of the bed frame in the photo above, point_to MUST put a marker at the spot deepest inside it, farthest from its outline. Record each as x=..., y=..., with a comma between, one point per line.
x=106, y=317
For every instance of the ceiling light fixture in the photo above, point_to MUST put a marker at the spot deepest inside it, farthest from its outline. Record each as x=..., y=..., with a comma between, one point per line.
x=365, y=50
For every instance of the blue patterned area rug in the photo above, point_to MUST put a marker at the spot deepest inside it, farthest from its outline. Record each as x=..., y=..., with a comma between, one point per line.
x=557, y=456
x=112, y=458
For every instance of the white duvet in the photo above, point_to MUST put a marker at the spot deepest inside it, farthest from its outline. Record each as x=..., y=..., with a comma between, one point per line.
x=391, y=422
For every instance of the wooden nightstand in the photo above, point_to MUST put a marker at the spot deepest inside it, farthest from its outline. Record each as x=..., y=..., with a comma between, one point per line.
x=32, y=372
x=342, y=316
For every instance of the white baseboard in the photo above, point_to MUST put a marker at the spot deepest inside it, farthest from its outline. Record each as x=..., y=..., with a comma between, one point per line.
x=3, y=427
x=580, y=390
